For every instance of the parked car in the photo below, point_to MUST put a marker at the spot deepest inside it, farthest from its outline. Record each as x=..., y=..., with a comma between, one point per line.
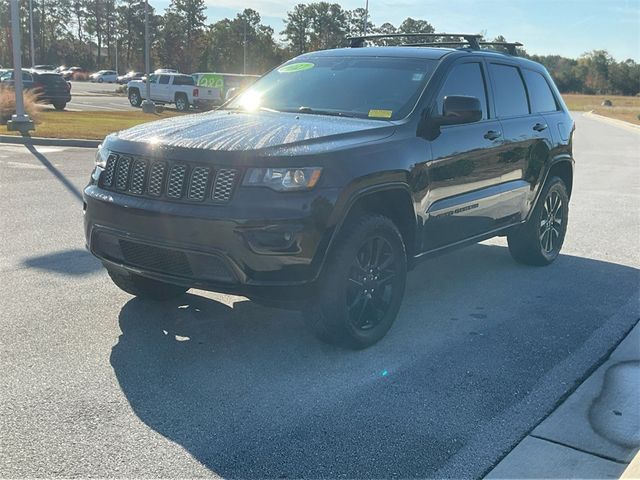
x=7, y=79
x=166, y=88
x=108, y=76
x=51, y=88
x=75, y=73
x=124, y=79
x=48, y=68
x=214, y=87
x=333, y=175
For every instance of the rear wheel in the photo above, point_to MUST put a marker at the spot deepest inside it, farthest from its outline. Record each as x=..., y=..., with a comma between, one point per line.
x=182, y=102
x=538, y=242
x=134, y=97
x=59, y=105
x=363, y=285
x=145, y=287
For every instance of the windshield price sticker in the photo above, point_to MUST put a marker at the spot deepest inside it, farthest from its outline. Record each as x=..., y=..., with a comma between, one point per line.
x=380, y=113
x=296, y=67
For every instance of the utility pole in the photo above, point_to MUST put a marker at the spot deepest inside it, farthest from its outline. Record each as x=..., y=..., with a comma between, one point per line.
x=147, y=105
x=244, y=47
x=20, y=121
x=32, y=50
x=116, y=37
x=366, y=18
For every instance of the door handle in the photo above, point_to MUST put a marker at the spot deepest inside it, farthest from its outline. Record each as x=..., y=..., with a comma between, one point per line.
x=492, y=135
x=538, y=127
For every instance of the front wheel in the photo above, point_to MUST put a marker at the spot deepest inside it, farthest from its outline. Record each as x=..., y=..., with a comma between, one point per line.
x=538, y=242
x=362, y=286
x=59, y=105
x=145, y=287
x=100, y=80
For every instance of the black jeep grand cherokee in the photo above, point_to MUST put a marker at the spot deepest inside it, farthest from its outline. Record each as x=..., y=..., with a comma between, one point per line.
x=332, y=176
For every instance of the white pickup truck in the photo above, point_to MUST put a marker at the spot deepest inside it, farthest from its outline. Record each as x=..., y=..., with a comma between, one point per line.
x=165, y=88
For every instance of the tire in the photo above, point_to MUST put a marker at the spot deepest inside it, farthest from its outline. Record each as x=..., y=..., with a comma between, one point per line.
x=539, y=241
x=59, y=105
x=145, y=288
x=182, y=102
x=362, y=286
x=134, y=97
x=100, y=80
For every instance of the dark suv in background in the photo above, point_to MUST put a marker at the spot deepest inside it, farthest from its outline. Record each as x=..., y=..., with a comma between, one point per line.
x=334, y=174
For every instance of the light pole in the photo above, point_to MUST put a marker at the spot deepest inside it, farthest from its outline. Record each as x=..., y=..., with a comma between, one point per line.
x=20, y=121
x=32, y=50
x=116, y=37
x=147, y=105
x=244, y=48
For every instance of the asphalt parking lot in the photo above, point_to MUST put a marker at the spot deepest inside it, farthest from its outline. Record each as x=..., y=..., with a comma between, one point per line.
x=97, y=383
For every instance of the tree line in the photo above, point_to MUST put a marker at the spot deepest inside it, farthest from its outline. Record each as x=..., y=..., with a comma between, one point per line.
x=90, y=33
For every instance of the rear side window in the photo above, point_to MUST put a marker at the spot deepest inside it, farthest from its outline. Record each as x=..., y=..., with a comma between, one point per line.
x=465, y=79
x=183, y=80
x=542, y=100
x=50, y=79
x=164, y=79
x=510, y=95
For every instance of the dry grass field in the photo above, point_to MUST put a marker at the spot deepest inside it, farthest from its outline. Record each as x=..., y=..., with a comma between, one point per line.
x=87, y=125
x=623, y=108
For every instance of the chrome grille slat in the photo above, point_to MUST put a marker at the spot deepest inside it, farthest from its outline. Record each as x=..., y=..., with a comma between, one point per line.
x=175, y=181
x=223, y=186
x=109, y=170
x=175, y=187
x=156, y=177
x=198, y=183
x=137, y=177
x=122, y=172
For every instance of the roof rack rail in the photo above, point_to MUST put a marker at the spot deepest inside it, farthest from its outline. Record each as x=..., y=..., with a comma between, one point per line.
x=471, y=38
x=470, y=41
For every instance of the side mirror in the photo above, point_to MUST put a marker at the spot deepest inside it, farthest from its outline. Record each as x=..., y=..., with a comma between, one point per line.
x=458, y=109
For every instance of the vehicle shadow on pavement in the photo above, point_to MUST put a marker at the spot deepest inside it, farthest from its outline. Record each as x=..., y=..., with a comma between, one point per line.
x=74, y=262
x=249, y=393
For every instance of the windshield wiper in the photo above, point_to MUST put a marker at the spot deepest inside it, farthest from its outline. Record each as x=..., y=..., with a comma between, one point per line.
x=332, y=113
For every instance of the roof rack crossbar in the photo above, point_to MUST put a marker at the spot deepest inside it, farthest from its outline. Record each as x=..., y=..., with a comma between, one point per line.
x=471, y=38
x=510, y=46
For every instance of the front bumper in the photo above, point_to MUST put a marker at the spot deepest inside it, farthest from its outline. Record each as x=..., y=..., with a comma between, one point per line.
x=260, y=239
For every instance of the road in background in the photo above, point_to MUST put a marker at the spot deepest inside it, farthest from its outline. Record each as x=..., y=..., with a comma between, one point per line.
x=97, y=383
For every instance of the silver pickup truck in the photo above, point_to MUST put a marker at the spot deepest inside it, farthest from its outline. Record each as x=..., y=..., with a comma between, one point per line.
x=176, y=88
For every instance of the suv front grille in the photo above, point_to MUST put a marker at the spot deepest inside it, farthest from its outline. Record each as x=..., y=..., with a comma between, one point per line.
x=172, y=181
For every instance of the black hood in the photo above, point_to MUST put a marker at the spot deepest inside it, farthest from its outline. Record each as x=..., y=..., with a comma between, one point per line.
x=271, y=133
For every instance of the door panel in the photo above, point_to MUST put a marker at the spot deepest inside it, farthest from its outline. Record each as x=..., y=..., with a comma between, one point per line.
x=472, y=190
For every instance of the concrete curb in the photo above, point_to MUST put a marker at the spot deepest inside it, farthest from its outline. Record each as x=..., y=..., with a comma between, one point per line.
x=613, y=121
x=575, y=440
x=50, y=142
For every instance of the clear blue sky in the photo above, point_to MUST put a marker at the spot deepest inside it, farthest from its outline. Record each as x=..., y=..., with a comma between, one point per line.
x=565, y=27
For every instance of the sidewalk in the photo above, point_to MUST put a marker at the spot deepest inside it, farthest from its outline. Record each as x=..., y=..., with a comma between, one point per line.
x=595, y=433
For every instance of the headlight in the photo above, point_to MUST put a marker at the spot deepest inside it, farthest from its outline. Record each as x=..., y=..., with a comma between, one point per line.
x=101, y=156
x=283, y=179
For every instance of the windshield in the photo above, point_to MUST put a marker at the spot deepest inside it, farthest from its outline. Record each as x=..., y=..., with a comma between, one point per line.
x=365, y=87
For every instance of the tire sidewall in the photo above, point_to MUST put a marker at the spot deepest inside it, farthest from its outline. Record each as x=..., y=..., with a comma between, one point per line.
x=134, y=94
x=181, y=100
x=332, y=303
x=555, y=185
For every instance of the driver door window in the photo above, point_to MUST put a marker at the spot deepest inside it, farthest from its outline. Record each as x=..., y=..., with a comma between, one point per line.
x=465, y=79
